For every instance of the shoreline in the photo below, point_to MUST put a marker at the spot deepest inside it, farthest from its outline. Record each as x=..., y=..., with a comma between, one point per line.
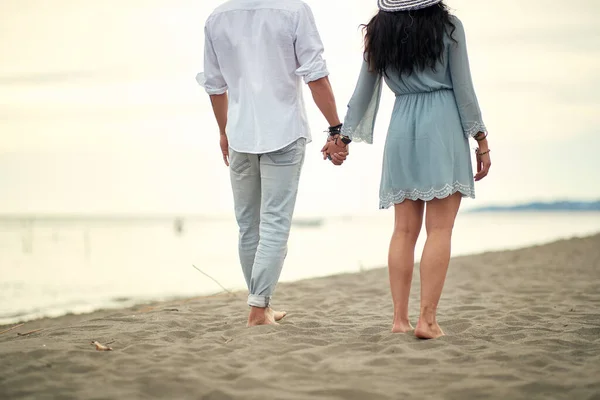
x=57, y=269
x=143, y=303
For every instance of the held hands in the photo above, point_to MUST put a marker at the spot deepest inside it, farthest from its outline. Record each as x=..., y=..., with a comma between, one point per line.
x=335, y=150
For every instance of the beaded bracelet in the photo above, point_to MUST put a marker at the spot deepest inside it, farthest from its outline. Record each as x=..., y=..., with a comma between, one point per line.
x=482, y=154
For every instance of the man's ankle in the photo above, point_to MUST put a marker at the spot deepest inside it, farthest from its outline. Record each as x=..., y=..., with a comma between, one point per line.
x=257, y=312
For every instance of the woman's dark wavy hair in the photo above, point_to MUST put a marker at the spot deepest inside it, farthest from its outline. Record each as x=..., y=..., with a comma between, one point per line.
x=406, y=41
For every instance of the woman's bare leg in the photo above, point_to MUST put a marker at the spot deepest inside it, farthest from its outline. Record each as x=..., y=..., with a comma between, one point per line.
x=440, y=215
x=401, y=261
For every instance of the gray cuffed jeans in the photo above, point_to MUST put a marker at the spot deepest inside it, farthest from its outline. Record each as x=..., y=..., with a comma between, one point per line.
x=265, y=187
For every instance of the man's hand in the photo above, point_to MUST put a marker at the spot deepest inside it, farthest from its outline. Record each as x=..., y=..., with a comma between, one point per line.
x=225, y=148
x=335, y=150
x=338, y=158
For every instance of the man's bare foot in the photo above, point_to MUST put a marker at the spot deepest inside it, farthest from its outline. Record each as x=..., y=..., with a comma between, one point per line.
x=261, y=316
x=278, y=315
x=402, y=327
x=428, y=331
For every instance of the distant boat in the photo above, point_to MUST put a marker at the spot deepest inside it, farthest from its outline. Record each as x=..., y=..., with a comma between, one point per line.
x=308, y=222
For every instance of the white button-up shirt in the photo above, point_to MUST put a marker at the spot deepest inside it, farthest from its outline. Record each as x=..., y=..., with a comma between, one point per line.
x=258, y=51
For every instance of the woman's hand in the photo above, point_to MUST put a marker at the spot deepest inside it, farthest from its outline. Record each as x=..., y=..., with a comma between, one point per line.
x=484, y=162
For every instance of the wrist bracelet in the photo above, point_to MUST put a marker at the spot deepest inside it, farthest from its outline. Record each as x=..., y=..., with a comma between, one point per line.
x=482, y=154
x=345, y=139
x=480, y=139
x=335, y=130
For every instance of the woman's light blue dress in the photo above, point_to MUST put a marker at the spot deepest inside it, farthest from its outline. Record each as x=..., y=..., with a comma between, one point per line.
x=427, y=152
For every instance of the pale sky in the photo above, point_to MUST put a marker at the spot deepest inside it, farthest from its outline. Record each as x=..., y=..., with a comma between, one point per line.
x=100, y=112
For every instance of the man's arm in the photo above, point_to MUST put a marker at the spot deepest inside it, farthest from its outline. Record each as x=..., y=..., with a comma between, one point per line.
x=216, y=87
x=324, y=99
x=312, y=67
x=220, y=104
x=215, y=84
x=309, y=52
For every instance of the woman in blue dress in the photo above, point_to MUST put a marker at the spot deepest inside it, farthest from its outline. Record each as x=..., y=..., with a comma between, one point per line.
x=418, y=48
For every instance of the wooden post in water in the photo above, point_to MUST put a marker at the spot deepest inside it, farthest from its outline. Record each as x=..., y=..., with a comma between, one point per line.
x=27, y=238
x=87, y=245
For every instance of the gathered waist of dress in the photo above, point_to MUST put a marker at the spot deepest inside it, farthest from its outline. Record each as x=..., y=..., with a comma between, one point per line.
x=424, y=92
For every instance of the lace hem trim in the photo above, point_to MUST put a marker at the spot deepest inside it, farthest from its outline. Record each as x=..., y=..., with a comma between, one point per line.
x=475, y=129
x=389, y=199
x=358, y=136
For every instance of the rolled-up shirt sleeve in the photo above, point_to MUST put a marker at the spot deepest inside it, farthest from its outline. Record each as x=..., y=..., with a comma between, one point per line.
x=309, y=47
x=212, y=79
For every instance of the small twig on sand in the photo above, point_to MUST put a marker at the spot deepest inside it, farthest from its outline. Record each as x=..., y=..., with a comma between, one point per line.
x=146, y=309
x=226, y=339
x=213, y=279
x=10, y=329
x=111, y=342
x=30, y=332
x=101, y=347
x=125, y=348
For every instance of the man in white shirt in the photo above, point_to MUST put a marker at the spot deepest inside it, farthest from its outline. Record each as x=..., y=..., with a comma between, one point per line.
x=256, y=53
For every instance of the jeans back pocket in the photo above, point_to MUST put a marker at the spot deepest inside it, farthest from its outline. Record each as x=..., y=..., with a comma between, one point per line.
x=238, y=162
x=287, y=155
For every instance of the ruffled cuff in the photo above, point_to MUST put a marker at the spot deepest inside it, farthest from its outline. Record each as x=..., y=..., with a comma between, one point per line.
x=358, y=134
x=474, y=129
x=359, y=124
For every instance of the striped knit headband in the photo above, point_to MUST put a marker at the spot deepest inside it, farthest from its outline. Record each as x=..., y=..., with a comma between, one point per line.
x=405, y=5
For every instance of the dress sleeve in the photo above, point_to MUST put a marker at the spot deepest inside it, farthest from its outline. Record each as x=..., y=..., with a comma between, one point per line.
x=464, y=92
x=363, y=106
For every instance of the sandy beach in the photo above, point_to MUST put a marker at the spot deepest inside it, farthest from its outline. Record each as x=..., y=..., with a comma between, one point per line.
x=520, y=324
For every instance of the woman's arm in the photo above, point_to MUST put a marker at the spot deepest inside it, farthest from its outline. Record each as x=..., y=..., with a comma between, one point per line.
x=363, y=106
x=462, y=82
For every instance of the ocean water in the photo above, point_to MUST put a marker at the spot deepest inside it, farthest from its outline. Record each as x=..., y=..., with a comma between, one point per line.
x=52, y=267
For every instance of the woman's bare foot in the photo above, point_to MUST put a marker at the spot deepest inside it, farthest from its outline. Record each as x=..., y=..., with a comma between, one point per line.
x=428, y=331
x=402, y=327
x=261, y=316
